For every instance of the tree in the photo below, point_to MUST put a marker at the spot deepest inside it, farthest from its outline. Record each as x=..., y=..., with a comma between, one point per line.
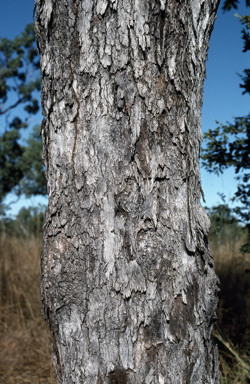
x=128, y=286
x=228, y=145
x=33, y=182
x=27, y=223
x=229, y=4
x=20, y=78
x=225, y=229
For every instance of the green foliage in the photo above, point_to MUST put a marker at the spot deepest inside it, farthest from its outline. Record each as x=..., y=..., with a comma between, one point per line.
x=10, y=161
x=221, y=216
x=225, y=226
x=245, y=20
x=28, y=223
x=229, y=4
x=228, y=145
x=21, y=168
x=33, y=182
x=19, y=73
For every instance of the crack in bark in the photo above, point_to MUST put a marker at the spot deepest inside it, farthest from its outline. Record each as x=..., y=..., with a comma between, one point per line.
x=75, y=9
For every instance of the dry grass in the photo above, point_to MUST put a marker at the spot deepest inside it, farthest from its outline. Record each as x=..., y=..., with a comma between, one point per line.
x=234, y=306
x=235, y=365
x=25, y=352
x=233, y=311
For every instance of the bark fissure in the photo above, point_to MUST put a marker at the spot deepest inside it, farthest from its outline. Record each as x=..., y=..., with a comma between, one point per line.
x=74, y=92
x=128, y=282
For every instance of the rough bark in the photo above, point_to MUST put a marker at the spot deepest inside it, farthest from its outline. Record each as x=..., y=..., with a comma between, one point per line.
x=128, y=281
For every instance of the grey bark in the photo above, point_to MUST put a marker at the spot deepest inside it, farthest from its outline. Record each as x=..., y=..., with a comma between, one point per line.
x=128, y=282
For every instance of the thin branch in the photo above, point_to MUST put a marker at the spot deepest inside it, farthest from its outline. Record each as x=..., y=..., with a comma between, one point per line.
x=12, y=106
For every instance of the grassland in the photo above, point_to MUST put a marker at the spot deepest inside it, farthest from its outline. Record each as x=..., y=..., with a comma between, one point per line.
x=232, y=331
x=25, y=352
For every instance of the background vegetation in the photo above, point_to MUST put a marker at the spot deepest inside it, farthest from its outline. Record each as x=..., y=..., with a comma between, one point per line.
x=21, y=167
x=25, y=352
x=232, y=331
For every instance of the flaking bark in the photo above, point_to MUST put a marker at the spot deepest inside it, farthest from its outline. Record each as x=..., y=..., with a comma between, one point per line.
x=128, y=282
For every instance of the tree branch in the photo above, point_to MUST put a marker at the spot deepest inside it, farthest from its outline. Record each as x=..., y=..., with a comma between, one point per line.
x=11, y=106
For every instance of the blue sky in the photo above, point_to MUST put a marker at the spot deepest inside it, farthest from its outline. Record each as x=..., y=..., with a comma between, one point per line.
x=223, y=97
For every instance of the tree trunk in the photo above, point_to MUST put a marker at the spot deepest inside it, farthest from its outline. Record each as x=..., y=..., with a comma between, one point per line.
x=128, y=282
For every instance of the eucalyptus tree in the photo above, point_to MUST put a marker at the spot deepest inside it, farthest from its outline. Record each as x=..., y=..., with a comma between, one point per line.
x=128, y=282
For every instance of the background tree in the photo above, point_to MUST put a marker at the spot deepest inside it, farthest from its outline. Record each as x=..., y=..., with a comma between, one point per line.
x=229, y=4
x=21, y=168
x=220, y=216
x=28, y=223
x=128, y=281
x=228, y=145
x=33, y=181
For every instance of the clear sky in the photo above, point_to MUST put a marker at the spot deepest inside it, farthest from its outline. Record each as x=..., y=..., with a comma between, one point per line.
x=223, y=97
